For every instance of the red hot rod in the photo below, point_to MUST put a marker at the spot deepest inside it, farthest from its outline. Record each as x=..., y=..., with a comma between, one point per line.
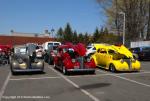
x=72, y=58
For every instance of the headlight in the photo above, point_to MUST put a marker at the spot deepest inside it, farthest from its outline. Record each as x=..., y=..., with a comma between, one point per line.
x=88, y=60
x=73, y=60
x=133, y=60
x=122, y=61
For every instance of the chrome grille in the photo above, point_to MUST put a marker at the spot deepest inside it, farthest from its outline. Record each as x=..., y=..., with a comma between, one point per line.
x=128, y=61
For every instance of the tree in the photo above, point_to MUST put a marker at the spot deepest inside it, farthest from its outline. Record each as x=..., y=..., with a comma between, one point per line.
x=60, y=34
x=80, y=37
x=96, y=35
x=136, y=14
x=68, y=34
x=75, y=37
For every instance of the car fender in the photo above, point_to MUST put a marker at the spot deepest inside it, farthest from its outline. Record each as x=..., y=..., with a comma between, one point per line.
x=94, y=58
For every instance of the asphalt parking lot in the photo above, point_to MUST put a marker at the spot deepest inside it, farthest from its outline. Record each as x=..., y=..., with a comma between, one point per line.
x=52, y=85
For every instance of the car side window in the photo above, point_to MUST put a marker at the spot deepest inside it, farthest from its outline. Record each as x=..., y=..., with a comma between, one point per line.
x=111, y=52
x=102, y=50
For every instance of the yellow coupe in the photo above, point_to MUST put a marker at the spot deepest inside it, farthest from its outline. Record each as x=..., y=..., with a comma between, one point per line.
x=115, y=58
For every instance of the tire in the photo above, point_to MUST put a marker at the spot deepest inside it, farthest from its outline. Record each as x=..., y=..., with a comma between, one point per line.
x=92, y=72
x=54, y=65
x=112, y=68
x=64, y=70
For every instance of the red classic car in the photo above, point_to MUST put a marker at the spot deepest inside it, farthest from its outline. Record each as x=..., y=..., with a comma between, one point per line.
x=72, y=58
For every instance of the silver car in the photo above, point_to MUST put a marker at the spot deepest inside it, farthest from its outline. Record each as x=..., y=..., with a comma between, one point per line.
x=24, y=59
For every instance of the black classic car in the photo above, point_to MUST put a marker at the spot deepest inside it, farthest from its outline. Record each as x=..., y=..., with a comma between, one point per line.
x=141, y=53
x=24, y=59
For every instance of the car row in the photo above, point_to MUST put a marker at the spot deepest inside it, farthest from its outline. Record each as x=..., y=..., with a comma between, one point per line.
x=70, y=57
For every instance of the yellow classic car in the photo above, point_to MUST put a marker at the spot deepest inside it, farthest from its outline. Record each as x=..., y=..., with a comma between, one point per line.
x=115, y=58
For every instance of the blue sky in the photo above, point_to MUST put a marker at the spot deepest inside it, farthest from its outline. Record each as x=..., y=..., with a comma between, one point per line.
x=34, y=16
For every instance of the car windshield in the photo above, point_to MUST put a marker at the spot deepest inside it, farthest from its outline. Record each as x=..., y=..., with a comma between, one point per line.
x=88, y=47
x=20, y=50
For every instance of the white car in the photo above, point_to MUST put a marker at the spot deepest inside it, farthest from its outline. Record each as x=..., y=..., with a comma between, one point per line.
x=90, y=50
x=50, y=48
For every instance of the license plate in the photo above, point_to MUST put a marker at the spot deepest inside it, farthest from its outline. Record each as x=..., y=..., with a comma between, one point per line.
x=76, y=67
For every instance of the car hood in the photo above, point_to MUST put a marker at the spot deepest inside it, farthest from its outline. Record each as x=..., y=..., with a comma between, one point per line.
x=123, y=50
x=119, y=49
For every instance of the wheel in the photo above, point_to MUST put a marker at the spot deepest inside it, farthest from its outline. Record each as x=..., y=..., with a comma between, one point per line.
x=65, y=72
x=92, y=72
x=54, y=65
x=112, y=68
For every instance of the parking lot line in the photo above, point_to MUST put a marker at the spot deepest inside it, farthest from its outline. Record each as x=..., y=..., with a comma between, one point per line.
x=75, y=85
x=4, y=86
x=143, y=84
x=133, y=81
x=35, y=78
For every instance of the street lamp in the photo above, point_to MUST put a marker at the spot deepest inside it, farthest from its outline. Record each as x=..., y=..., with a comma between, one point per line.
x=124, y=26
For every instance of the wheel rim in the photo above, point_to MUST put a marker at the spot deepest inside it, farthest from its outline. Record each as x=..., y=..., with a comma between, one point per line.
x=64, y=70
x=112, y=69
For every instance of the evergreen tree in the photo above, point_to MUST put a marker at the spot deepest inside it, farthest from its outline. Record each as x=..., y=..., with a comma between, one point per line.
x=80, y=37
x=75, y=37
x=68, y=34
x=86, y=39
x=60, y=33
x=96, y=35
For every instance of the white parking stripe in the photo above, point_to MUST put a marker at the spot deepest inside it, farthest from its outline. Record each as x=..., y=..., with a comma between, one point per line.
x=34, y=78
x=4, y=86
x=77, y=86
x=131, y=80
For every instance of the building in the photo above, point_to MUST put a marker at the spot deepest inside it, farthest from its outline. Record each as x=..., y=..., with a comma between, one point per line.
x=18, y=38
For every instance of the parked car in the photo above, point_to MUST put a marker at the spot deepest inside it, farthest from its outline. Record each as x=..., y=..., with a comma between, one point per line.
x=141, y=53
x=5, y=51
x=115, y=58
x=50, y=50
x=90, y=50
x=72, y=58
x=23, y=59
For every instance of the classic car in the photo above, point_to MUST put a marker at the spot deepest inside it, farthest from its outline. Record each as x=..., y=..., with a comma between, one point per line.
x=90, y=50
x=72, y=58
x=5, y=51
x=115, y=58
x=50, y=50
x=24, y=59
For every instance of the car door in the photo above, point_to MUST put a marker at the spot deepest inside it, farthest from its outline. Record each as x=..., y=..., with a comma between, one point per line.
x=103, y=57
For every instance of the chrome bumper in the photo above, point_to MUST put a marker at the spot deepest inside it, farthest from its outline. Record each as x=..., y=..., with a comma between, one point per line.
x=81, y=70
